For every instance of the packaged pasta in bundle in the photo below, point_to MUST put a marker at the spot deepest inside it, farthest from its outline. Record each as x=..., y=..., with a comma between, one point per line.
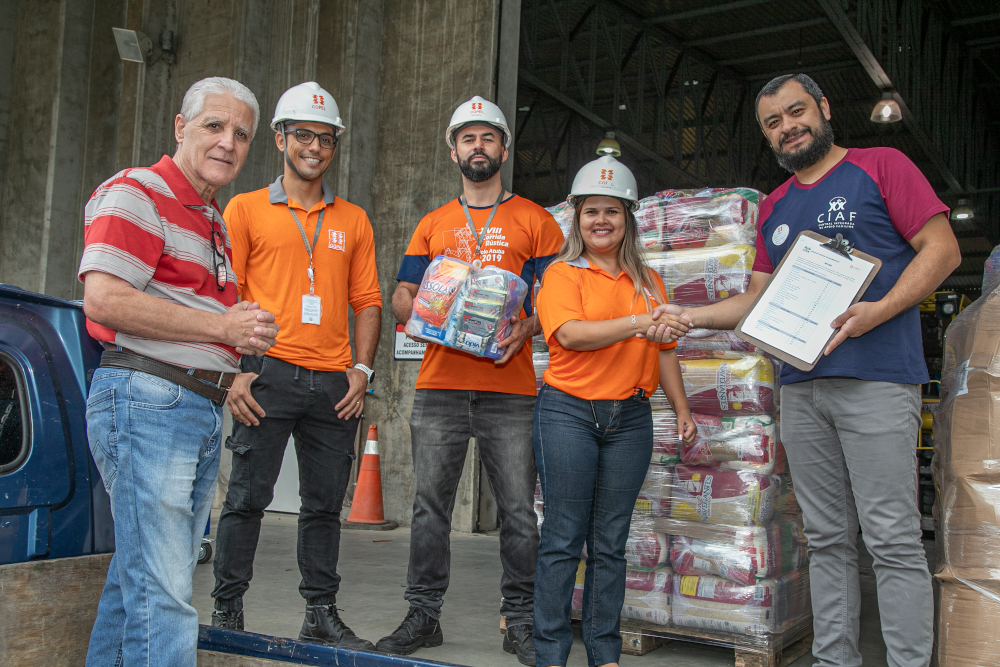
x=654, y=495
x=708, y=217
x=703, y=276
x=713, y=495
x=730, y=386
x=645, y=548
x=650, y=215
x=742, y=555
x=748, y=442
x=647, y=595
x=713, y=344
x=466, y=308
x=766, y=606
x=665, y=435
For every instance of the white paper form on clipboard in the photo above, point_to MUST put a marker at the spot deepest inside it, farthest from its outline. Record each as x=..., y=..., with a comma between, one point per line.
x=813, y=284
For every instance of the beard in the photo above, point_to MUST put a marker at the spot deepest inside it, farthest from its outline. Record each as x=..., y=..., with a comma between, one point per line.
x=479, y=172
x=806, y=157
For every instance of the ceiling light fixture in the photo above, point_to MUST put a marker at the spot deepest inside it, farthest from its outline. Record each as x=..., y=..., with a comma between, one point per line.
x=963, y=211
x=609, y=146
x=887, y=110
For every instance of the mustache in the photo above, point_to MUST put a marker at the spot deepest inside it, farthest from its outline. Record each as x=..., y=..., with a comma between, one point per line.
x=793, y=134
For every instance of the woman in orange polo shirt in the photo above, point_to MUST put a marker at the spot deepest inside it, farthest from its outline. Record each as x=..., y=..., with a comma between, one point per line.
x=593, y=432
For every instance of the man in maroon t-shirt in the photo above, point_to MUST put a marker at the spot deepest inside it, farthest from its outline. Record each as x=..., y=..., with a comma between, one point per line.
x=160, y=293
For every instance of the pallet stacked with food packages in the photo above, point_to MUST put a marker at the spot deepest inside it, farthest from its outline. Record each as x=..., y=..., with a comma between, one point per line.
x=716, y=551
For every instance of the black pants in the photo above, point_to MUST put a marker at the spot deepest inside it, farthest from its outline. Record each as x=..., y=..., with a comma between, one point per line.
x=441, y=424
x=297, y=402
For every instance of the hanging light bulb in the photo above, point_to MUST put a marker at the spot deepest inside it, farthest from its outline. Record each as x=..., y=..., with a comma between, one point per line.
x=963, y=211
x=887, y=110
x=609, y=146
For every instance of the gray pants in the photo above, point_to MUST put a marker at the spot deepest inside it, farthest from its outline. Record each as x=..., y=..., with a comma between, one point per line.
x=851, y=447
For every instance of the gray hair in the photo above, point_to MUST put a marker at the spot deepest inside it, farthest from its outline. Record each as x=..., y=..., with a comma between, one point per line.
x=771, y=88
x=194, y=98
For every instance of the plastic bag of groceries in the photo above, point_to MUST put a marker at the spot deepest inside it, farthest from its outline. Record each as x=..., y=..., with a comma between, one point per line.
x=714, y=495
x=563, y=213
x=712, y=344
x=730, y=386
x=709, y=217
x=647, y=595
x=766, y=606
x=654, y=494
x=645, y=548
x=466, y=308
x=742, y=555
x=748, y=442
x=703, y=276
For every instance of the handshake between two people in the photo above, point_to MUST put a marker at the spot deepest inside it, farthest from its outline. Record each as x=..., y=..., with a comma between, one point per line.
x=665, y=324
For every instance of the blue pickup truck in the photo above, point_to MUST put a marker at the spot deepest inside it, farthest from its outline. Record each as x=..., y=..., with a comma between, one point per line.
x=56, y=529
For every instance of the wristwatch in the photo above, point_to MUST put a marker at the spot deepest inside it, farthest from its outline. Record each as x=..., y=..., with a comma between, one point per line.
x=367, y=371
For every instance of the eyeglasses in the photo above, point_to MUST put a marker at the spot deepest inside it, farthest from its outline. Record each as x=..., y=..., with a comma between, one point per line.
x=327, y=141
x=218, y=258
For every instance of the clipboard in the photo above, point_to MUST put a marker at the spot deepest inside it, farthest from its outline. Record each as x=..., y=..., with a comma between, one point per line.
x=840, y=248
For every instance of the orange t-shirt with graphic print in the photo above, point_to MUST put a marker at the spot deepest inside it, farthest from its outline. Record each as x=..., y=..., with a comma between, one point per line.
x=578, y=290
x=270, y=262
x=523, y=238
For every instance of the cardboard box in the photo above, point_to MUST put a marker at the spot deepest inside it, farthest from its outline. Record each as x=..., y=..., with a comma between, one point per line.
x=968, y=623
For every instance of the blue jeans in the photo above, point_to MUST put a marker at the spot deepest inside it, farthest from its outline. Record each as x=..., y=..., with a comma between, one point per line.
x=157, y=447
x=591, y=474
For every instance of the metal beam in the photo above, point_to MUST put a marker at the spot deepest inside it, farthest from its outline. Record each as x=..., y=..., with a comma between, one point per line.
x=705, y=11
x=827, y=67
x=975, y=19
x=835, y=12
x=771, y=55
x=590, y=116
x=733, y=36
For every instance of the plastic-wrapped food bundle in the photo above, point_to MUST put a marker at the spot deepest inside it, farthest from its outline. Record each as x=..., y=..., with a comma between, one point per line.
x=712, y=495
x=730, y=386
x=654, y=495
x=647, y=595
x=766, y=606
x=466, y=308
x=704, y=275
x=563, y=214
x=665, y=436
x=740, y=554
x=712, y=343
x=650, y=216
x=709, y=217
x=967, y=476
x=646, y=549
x=736, y=443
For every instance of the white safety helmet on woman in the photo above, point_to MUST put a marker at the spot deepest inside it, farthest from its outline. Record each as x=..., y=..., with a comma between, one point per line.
x=606, y=177
x=307, y=103
x=477, y=111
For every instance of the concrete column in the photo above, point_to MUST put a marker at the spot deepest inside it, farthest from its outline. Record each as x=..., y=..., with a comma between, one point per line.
x=435, y=55
x=508, y=49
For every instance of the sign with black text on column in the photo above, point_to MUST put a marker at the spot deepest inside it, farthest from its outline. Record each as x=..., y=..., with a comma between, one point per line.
x=407, y=349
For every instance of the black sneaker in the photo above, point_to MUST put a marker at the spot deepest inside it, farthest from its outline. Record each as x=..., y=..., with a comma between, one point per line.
x=229, y=619
x=417, y=629
x=517, y=640
x=322, y=624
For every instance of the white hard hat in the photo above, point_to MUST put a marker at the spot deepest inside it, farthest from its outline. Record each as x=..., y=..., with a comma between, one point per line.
x=604, y=176
x=480, y=111
x=308, y=102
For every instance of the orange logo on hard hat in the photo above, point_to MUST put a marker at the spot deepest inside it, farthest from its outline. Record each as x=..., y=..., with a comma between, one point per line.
x=607, y=174
x=318, y=99
x=477, y=107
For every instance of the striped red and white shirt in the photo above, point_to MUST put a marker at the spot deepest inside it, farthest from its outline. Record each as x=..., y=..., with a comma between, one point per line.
x=150, y=228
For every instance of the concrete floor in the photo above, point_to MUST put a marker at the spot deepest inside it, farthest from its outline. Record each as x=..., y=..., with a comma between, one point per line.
x=371, y=599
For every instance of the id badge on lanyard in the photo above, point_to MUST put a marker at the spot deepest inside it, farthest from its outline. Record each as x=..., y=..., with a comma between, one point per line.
x=481, y=236
x=312, y=306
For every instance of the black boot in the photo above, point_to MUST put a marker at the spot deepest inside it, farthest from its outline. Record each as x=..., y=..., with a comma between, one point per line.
x=322, y=624
x=417, y=629
x=518, y=640
x=228, y=614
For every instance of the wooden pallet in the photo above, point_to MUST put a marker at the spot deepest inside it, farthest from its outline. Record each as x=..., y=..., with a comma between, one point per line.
x=773, y=650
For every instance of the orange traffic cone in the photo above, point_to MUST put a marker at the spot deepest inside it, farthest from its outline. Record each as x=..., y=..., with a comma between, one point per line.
x=366, y=508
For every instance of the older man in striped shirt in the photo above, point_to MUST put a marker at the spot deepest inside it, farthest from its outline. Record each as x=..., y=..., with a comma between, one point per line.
x=160, y=293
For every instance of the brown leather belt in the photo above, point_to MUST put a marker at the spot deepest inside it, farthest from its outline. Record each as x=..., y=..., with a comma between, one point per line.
x=213, y=385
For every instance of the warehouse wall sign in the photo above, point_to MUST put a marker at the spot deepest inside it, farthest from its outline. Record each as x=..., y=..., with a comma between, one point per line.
x=407, y=348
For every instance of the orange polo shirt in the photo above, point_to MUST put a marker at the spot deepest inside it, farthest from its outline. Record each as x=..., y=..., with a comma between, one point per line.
x=523, y=239
x=578, y=290
x=270, y=262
